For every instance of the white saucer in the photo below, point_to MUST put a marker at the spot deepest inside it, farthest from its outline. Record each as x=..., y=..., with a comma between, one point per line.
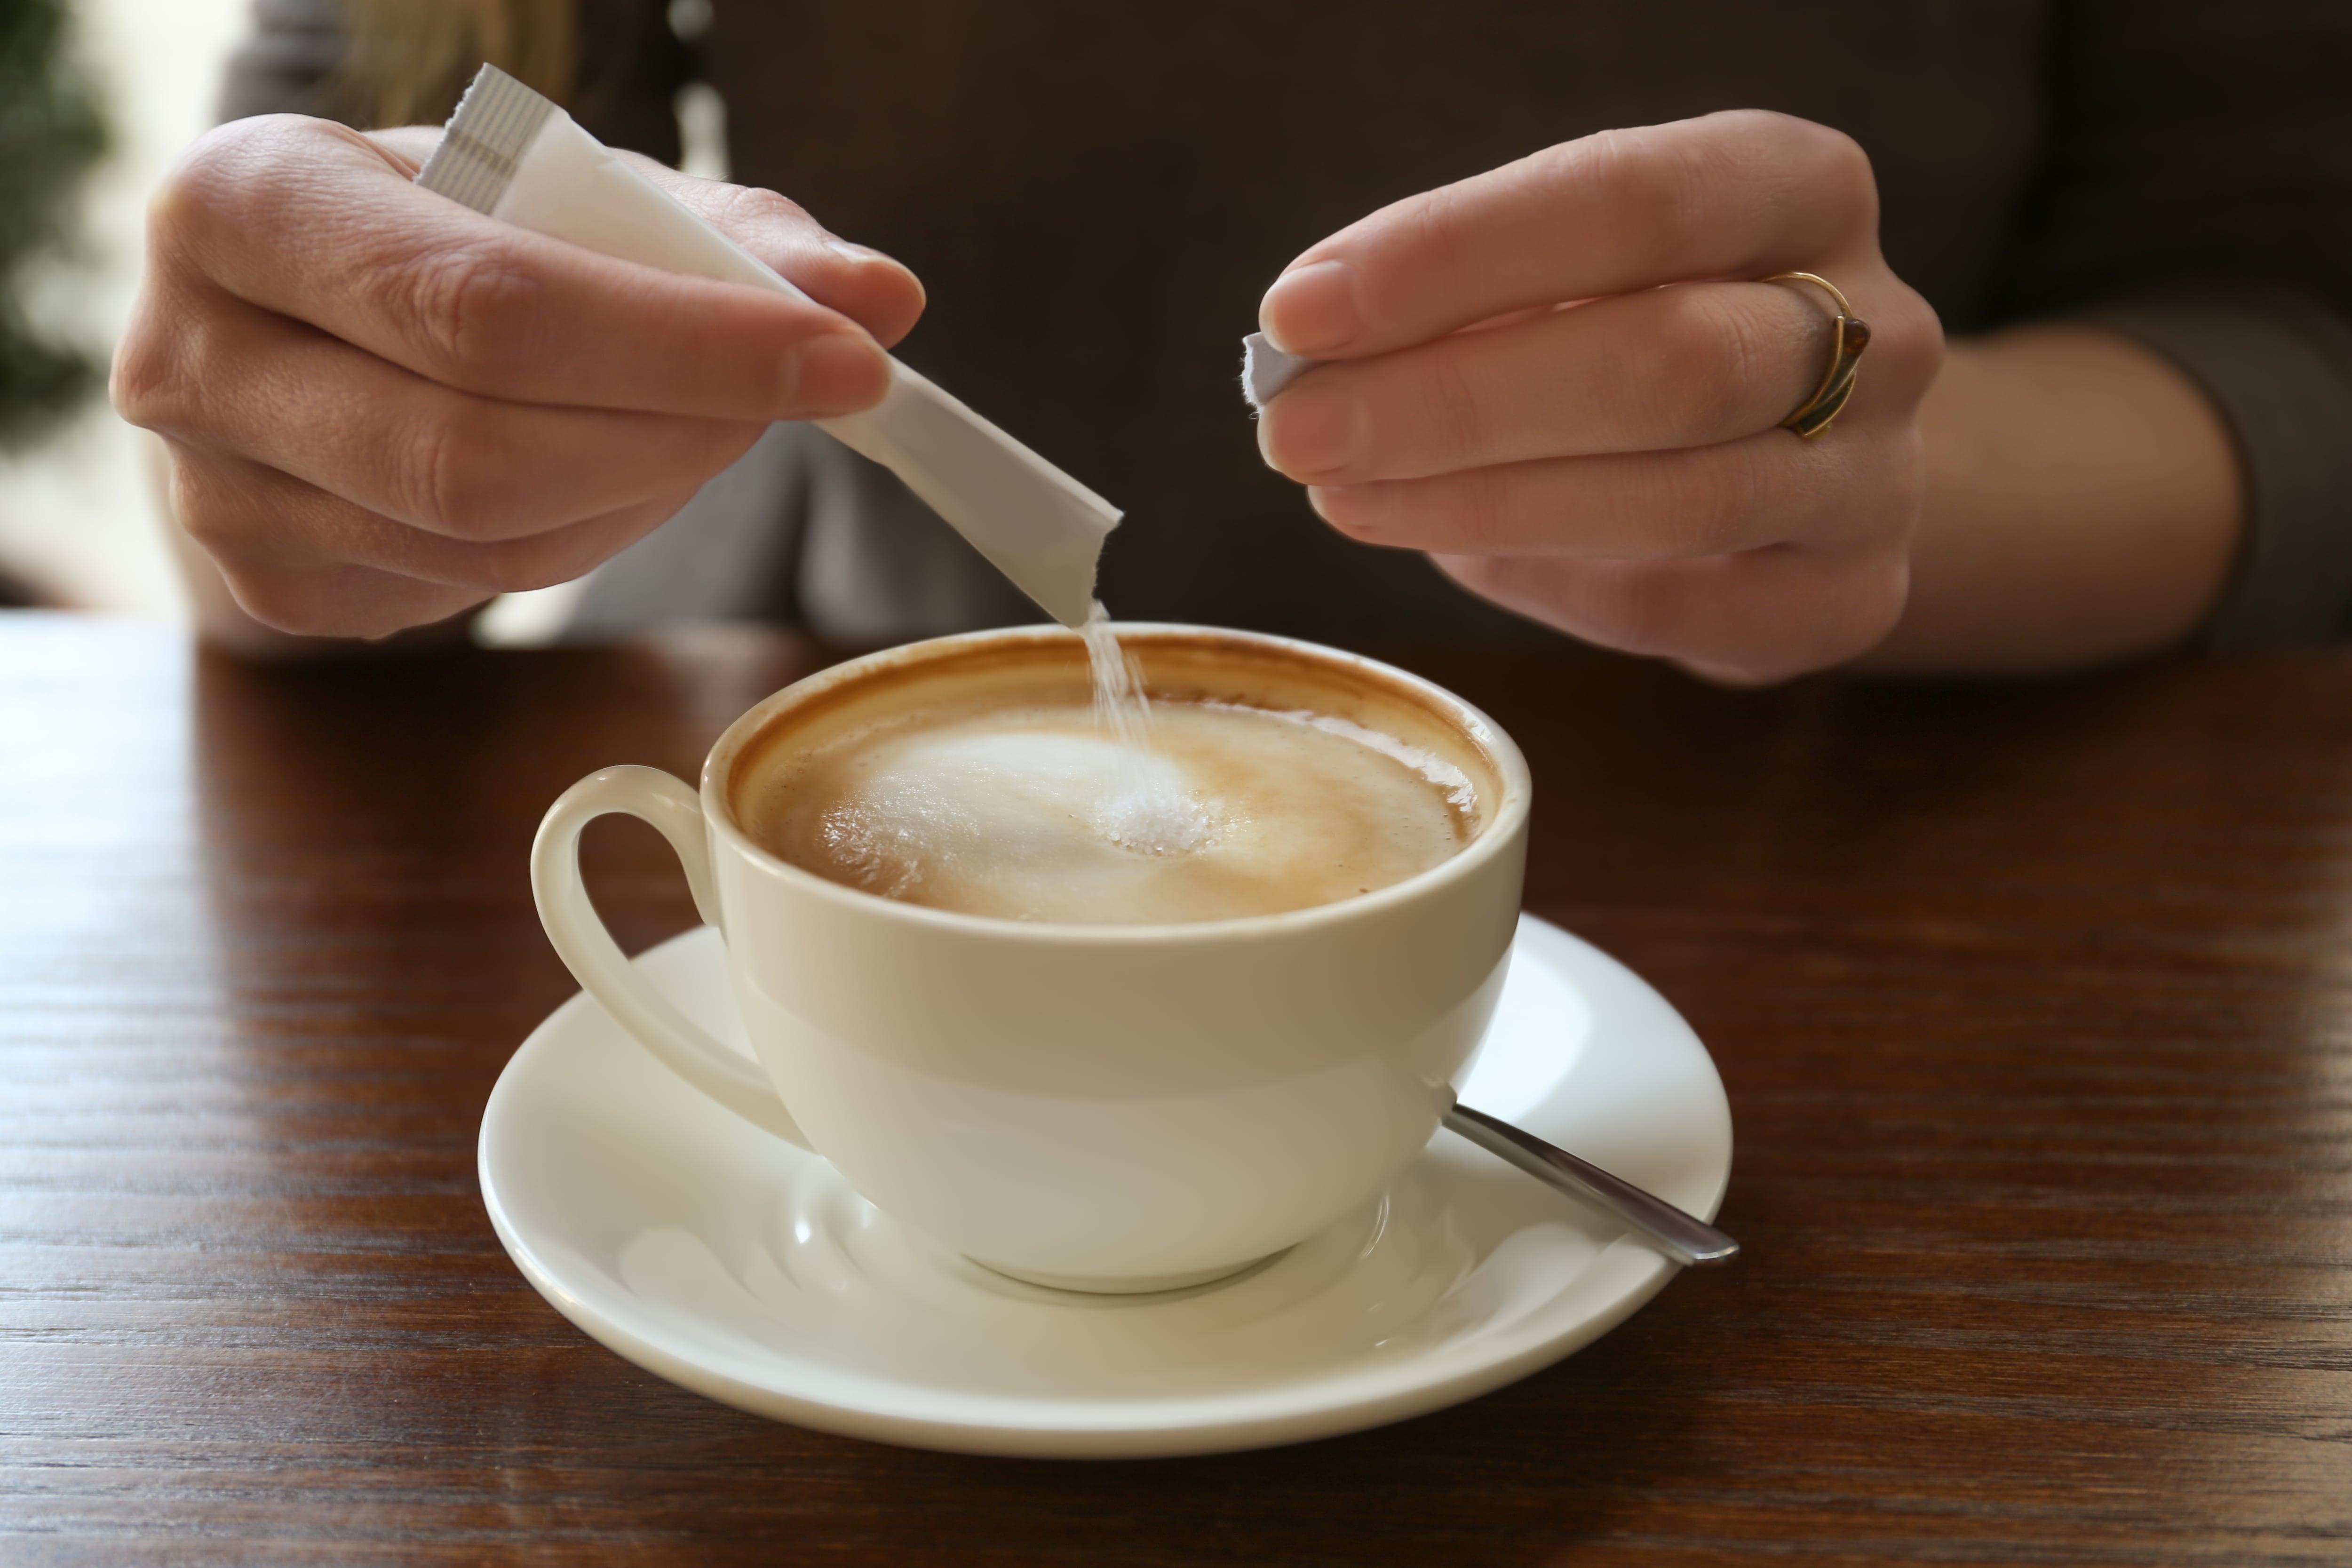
x=742, y=1268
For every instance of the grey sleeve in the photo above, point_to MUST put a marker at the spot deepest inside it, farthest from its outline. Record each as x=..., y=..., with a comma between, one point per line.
x=2198, y=197
x=802, y=530
x=288, y=62
x=2279, y=367
x=727, y=555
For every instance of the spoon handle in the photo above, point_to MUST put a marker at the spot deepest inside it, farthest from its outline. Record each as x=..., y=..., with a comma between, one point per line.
x=1683, y=1238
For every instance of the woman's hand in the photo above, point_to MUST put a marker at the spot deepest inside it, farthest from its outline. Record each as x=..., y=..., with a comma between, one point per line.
x=382, y=408
x=1560, y=380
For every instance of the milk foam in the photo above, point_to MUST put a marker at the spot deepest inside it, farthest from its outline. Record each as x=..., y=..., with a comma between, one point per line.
x=1003, y=804
x=1001, y=810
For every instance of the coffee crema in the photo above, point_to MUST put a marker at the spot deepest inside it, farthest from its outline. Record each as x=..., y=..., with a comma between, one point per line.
x=1013, y=803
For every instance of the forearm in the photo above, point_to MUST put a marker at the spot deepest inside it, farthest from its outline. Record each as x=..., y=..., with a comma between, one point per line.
x=2084, y=504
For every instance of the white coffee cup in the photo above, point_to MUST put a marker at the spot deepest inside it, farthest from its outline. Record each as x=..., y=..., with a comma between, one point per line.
x=1103, y=1108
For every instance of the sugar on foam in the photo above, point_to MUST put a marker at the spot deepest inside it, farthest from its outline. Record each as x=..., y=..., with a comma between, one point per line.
x=953, y=800
x=1038, y=808
x=1148, y=807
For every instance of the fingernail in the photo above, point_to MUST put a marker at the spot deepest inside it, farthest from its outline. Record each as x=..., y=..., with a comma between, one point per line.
x=840, y=371
x=863, y=257
x=1314, y=309
x=1359, y=509
x=1315, y=431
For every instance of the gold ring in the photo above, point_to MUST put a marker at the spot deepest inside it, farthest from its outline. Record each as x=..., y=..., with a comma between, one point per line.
x=1812, y=417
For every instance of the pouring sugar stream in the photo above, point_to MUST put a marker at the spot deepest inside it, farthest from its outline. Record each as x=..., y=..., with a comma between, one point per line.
x=513, y=154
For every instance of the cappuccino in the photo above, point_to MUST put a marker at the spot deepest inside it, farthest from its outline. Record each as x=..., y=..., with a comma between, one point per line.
x=1111, y=1107
x=1008, y=799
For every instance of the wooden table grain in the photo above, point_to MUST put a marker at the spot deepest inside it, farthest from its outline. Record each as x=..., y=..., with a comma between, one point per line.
x=2035, y=1002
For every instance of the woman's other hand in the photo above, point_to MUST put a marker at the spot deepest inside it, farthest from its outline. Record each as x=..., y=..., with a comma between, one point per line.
x=1561, y=380
x=382, y=408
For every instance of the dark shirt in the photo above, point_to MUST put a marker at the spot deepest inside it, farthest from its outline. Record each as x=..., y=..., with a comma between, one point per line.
x=1096, y=197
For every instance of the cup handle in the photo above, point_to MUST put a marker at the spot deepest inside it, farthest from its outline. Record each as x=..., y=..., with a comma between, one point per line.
x=588, y=951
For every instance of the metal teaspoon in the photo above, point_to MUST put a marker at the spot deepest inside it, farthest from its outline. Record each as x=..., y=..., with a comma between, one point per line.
x=1681, y=1237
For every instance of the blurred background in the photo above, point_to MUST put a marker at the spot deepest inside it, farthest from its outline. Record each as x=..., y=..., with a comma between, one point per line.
x=97, y=99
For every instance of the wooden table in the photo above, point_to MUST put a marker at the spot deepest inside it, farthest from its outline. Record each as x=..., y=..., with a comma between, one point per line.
x=2034, y=1004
